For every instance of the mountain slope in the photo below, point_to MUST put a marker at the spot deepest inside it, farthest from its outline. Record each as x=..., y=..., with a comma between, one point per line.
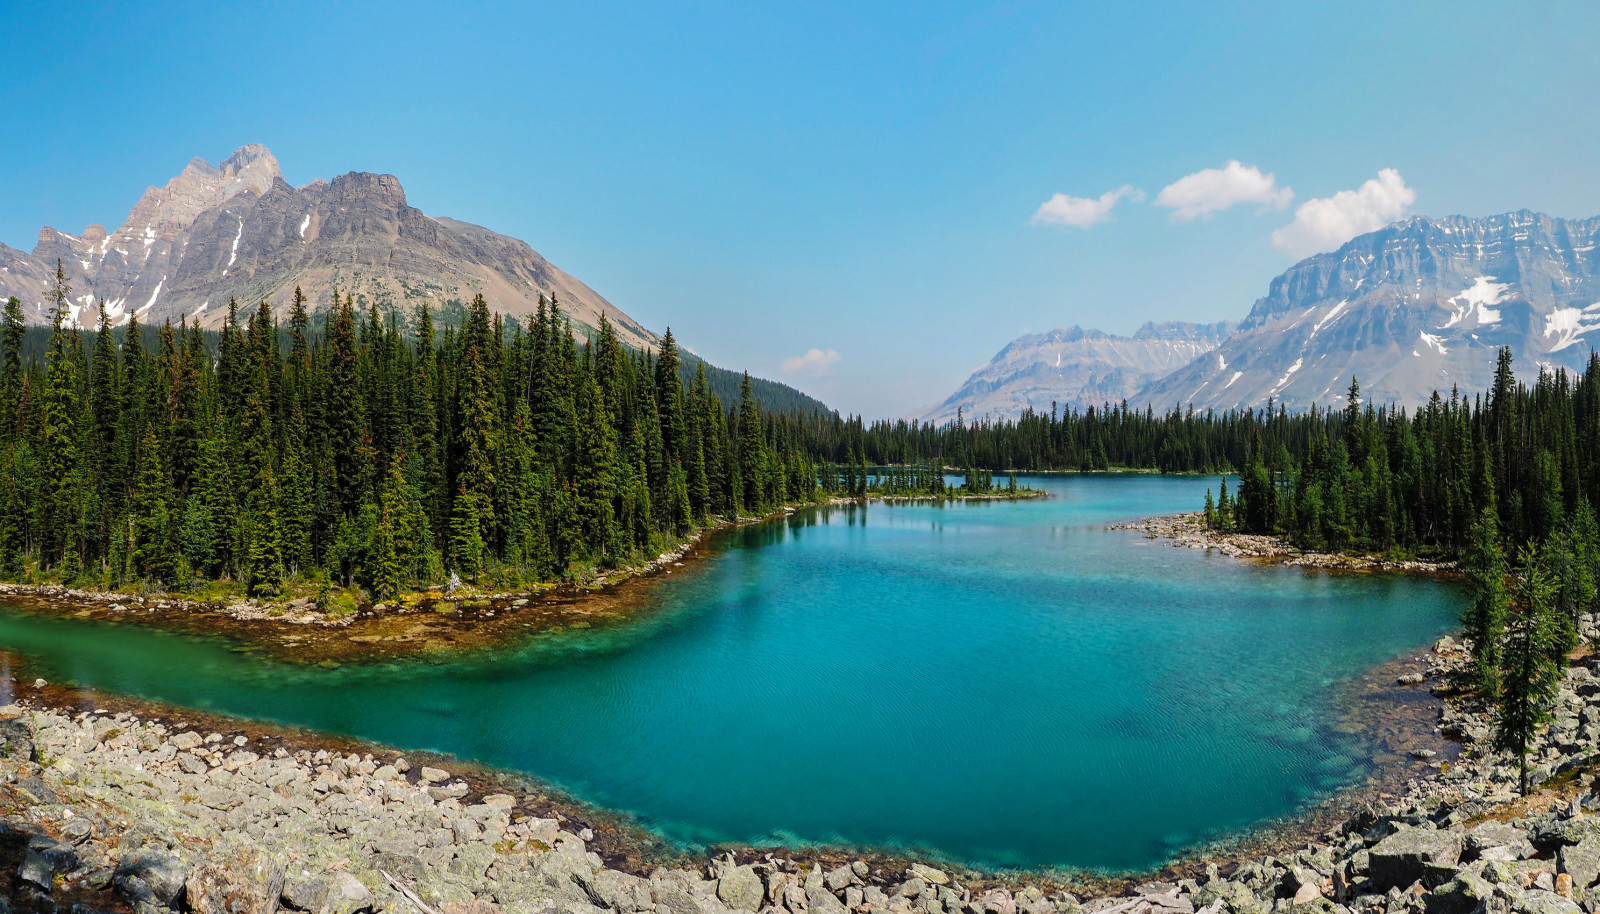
x=238, y=230
x=1414, y=307
x=1075, y=367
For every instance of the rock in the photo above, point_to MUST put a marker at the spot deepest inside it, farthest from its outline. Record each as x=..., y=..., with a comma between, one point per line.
x=838, y=879
x=995, y=901
x=435, y=775
x=1464, y=894
x=17, y=742
x=305, y=894
x=212, y=889
x=150, y=878
x=37, y=789
x=1306, y=893
x=185, y=741
x=77, y=830
x=45, y=860
x=1446, y=645
x=740, y=888
x=821, y=901
x=1412, y=855
x=929, y=874
x=1410, y=679
x=1538, y=901
x=1581, y=861
x=346, y=895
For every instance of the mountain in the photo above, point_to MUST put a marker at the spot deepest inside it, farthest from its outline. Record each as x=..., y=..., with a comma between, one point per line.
x=1409, y=309
x=1076, y=367
x=238, y=230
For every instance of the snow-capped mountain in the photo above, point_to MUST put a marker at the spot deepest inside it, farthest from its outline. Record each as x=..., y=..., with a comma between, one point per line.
x=238, y=230
x=1071, y=366
x=1409, y=309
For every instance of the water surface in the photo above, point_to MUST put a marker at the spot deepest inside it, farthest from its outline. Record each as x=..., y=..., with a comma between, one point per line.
x=1009, y=684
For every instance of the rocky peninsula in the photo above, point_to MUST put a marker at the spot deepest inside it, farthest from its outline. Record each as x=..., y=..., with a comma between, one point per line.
x=1189, y=531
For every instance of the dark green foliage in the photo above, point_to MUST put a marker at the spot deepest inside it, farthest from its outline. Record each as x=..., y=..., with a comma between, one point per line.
x=1530, y=666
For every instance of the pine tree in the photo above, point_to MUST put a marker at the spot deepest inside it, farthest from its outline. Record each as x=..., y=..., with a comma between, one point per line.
x=1528, y=676
x=150, y=520
x=266, y=566
x=1485, y=617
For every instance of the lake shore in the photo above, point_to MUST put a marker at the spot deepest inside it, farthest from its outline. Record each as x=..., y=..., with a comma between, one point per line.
x=421, y=622
x=116, y=803
x=1188, y=530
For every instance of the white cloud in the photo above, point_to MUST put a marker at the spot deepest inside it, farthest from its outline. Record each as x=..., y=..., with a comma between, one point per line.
x=1083, y=211
x=1214, y=189
x=815, y=363
x=1325, y=223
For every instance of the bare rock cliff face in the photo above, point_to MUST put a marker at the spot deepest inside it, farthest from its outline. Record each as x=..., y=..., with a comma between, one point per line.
x=238, y=230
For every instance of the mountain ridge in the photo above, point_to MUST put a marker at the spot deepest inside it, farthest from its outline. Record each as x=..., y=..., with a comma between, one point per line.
x=1417, y=306
x=1076, y=367
x=238, y=230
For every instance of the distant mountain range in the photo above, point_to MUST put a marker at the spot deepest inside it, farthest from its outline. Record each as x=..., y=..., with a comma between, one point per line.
x=1415, y=307
x=1076, y=367
x=238, y=230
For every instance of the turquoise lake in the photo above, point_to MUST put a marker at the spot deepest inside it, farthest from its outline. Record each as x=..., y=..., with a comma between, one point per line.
x=1008, y=684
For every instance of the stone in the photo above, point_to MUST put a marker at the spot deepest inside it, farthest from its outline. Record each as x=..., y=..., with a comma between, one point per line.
x=304, y=894
x=1538, y=901
x=45, y=860
x=837, y=879
x=77, y=830
x=212, y=889
x=435, y=775
x=151, y=876
x=17, y=741
x=1581, y=861
x=1306, y=893
x=37, y=789
x=995, y=901
x=1413, y=855
x=929, y=874
x=740, y=888
x=185, y=741
x=346, y=895
x=821, y=901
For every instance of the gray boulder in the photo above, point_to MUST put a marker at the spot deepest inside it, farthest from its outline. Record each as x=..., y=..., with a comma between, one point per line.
x=346, y=895
x=1412, y=855
x=1465, y=894
x=740, y=888
x=45, y=860
x=17, y=742
x=151, y=880
x=1536, y=901
x=1581, y=861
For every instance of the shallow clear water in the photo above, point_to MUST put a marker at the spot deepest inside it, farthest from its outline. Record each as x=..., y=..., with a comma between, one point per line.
x=1005, y=683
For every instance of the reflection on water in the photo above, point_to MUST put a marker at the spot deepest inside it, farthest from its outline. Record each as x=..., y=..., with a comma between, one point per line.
x=1004, y=682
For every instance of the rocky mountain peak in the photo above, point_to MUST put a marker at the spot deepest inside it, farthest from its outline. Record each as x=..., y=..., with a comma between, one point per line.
x=1417, y=306
x=238, y=230
x=382, y=189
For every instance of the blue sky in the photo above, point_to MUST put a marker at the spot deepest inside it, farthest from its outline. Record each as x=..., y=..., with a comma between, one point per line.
x=863, y=180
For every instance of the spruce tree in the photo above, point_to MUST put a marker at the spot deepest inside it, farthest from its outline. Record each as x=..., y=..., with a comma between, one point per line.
x=1528, y=676
x=1484, y=618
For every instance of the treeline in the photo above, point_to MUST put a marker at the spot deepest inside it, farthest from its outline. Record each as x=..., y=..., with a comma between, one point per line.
x=1377, y=479
x=362, y=457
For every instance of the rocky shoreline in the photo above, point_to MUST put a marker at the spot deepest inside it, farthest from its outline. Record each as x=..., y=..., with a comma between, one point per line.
x=421, y=622
x=108, y=809
x=1188, y=530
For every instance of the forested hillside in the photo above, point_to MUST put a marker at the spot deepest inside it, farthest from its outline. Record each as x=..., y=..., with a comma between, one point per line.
x=362, y=457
